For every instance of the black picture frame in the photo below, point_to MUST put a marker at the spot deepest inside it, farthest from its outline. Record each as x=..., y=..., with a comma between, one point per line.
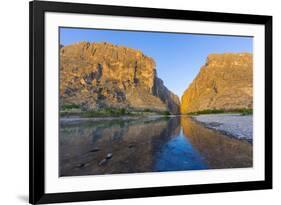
x=37, y=9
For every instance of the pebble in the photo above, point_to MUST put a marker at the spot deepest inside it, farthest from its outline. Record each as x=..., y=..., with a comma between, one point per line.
x=108, y=156
x=82, y=165
x=102, y=162
x=95, y=150
x=131, y=146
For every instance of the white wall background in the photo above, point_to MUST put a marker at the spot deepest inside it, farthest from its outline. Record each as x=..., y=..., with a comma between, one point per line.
x=14, y=44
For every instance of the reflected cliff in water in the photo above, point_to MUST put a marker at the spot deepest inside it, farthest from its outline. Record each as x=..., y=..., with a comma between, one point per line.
x=147, y=145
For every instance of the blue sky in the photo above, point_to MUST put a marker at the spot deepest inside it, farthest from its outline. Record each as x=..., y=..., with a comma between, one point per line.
x=178, y=57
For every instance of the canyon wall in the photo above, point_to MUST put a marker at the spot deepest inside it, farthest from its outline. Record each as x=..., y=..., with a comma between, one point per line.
x=225, y=82
x=103, y=75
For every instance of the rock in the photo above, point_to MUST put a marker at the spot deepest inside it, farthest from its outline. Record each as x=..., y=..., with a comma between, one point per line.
x=82, y=165
x=103, y=75
x=108, y=156
x=215, y=124
x=131, y=146
x=102, y=162
x=224, y=82
x=95, y=150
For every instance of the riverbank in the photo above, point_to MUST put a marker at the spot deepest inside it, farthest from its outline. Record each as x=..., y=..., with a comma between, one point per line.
x=72, y=110
x=78, y=119
x=234, y=125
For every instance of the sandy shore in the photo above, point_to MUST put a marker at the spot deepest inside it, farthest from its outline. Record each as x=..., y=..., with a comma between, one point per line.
x=234, y=125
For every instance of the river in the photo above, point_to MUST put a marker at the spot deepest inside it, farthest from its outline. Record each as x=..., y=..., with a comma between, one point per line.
x=148, y=144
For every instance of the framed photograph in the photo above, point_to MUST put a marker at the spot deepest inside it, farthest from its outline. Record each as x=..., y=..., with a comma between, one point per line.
x=140, y=102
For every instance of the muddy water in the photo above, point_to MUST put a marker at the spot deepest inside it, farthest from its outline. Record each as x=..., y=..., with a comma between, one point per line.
x=147, y=145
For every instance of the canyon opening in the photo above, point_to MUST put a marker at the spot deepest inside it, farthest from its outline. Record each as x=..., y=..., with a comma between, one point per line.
x=139, y=101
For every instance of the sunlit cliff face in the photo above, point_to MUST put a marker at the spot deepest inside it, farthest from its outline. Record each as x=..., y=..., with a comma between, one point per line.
x=224, y=82
x=100, y=75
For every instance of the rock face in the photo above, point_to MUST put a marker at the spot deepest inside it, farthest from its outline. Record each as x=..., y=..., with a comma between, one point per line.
x=102, y=75
x=224, y=82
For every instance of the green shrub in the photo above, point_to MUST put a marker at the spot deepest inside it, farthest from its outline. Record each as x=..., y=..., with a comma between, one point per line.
x=122, y=111
x=166, y=112
x=69, y=106
x=106, y=112
x=246, y=111
x=243, y=111
x=208, y=111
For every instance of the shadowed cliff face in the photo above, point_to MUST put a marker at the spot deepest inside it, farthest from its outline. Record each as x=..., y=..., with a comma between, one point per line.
x=224, y=82
x=101, y=75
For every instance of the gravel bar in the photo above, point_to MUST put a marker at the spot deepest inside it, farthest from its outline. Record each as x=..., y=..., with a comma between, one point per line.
x=234, y=125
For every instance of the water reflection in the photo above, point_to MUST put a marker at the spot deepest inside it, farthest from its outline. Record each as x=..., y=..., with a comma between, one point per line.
x=219, y=151
x=146, y=145
x=178, y=154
